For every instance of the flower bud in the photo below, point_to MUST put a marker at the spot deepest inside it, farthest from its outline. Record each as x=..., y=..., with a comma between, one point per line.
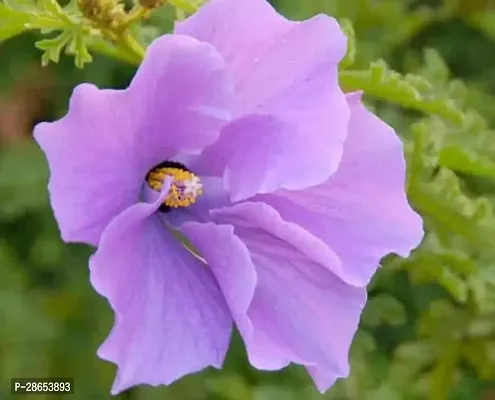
x=103, y=11
x=152, y=4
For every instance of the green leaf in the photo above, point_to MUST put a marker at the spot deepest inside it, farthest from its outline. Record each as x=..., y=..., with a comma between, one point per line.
x=455, y=285
x=188, y=6
x=484, y=21
x=107, y=48
x=407, y=91
x=443, y=201
x=465, y=160
x=28, y=6
x=442, y=375
x=146, y=34
x=48, y=16
x=82, y=53
x=18, y=16
x=77, y=47
x=52, y=7
x=482, y=288
x=53, y=47
x=348, y=29
x=383, y=310
x=434, y=68
x=12, y=22
x=417, y=354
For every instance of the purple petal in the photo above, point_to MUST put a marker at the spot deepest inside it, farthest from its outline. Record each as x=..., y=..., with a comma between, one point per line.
x=93, y=176
x=230, y=263
x=171, y=318
x=287, y=90
x=182, y=96
x=300, y=312
x=256, y=42
x=244, y=32
x=361, y=212
x=324, y=378
x=101, y=150
x=268, y=219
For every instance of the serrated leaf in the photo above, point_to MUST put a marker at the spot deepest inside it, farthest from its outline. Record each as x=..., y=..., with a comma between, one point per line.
x=53, y=47
x=448, y=268
x=21, y=5
x=383, y=83
x=78, y=48
x=18, y=16
x=450, y=209
x=51, y=6
x=435, y=68
x=13, y=22
x=72, y=7
x=350, y=56
x=46, y=23
x=464, y=160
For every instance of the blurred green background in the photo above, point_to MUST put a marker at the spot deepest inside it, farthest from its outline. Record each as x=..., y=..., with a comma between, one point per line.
x=428, y=331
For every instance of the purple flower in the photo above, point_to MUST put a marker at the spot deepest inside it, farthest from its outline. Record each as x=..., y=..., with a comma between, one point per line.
x=235, y=134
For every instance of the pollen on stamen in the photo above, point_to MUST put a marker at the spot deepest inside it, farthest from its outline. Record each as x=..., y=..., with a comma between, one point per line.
x=184, y=190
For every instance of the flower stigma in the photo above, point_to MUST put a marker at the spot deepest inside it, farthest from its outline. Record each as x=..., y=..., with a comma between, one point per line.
x=185, y=187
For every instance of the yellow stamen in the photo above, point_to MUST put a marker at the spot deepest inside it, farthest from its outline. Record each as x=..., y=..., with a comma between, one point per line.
x=184, y=189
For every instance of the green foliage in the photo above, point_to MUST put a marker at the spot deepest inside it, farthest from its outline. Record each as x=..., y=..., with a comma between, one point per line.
x=188, y=6
x=409, y=91
x=428, y=331
x=102, y=25
x=48, y=17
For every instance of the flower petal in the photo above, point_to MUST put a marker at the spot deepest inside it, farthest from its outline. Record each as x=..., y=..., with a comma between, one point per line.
x=230, y=263
x=323, y=378
x=101, y=150
x=266, y=218
x=286, y=92
x=171, y=318
x=256, y=42
x=182, y=95
x=93, y=174
x=361, y=212
x=300, y=312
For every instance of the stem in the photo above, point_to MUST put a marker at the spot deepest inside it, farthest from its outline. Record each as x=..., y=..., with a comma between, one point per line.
x=131, y=45
x=136, y=14
x=108, y=48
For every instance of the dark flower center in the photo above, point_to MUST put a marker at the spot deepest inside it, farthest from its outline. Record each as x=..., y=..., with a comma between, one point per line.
x=184, y=189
